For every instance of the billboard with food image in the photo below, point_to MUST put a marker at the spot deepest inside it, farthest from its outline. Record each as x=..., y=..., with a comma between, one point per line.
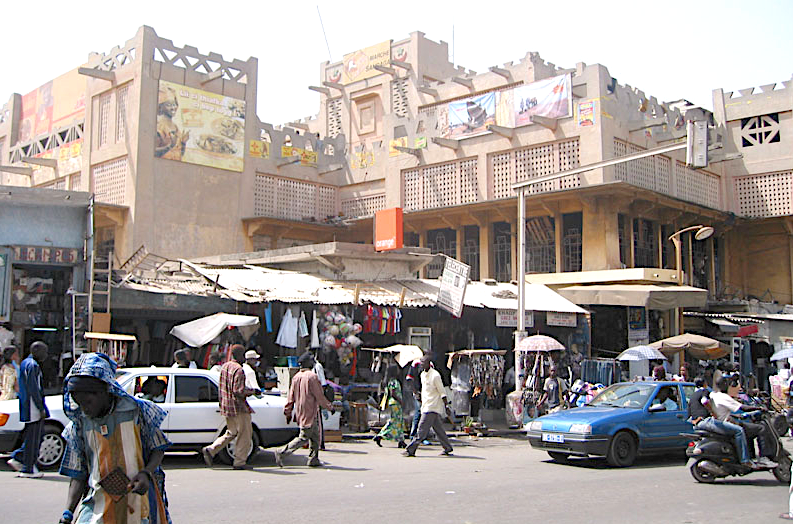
x=199, y=127
x=56, y=104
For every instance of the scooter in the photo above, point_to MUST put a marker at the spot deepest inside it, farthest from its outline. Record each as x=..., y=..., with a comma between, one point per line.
x=715, y=456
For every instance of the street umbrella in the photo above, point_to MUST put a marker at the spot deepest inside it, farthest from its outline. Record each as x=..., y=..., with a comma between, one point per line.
x=697, y=346
x=641, y=353
x=783, y=354
x=541, y=343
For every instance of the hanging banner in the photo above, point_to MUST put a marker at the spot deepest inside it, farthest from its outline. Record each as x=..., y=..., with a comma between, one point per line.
x=469, y=117
x=454, y=280
x=553, y=318
x=307, y=158
x=199, y=127
x=509, y=318
x=549, y=98
x=56, y=104
x=259, y=149
x=359, y=65
x=586, y=114
x=638, y=332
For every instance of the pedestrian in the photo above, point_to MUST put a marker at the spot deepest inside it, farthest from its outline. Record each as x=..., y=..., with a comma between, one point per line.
x=553, y=393
x=235, y=408
x=214, y=361
x=433, y=406
x=32, y=411
x=249, y=368
x=659, y=373
x=114, y=447
x=412, y=379
x=327, y=390
x=302, y=403
x=394, y=428
x=9, y=383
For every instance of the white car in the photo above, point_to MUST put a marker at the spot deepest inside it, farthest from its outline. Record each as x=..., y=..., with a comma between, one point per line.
x=191, y=400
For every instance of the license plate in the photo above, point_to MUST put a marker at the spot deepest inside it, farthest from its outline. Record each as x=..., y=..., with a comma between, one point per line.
x=552, y=437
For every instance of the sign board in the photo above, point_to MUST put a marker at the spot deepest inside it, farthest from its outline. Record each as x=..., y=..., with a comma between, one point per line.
x=638, y=332
x=388, y=229
x=49, y=255
x=737, y=345
x=509, y=318
x=553, y=318
x=452, y=289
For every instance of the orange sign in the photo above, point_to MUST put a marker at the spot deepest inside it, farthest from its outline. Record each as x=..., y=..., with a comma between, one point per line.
x=388, y=229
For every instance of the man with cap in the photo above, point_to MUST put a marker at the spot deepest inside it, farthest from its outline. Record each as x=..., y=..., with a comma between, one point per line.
x=235, y=408
x=302, y=403
x=249, y=368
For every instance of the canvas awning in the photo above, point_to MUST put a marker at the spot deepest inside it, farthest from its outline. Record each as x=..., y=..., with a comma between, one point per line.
x=201, y=331
x=651, y=296
x=698, y=346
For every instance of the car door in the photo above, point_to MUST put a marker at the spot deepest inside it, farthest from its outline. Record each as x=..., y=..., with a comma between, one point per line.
x=136, y=384
x=194, y=412
x=662, y=429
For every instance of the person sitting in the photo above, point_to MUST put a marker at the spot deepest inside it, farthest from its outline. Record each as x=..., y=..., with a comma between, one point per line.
x=702, y=417
x=153, y=389
x=214, y=361
x=183, y=358
x=666, y=398
x=726, y=408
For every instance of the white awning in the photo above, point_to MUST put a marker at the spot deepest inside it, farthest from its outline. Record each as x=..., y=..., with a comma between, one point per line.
x=651, y=296
x=502, y=295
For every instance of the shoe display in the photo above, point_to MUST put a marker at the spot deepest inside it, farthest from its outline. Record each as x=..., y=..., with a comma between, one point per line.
x=15, y=464
x=207, y=456
x=279, y=461
x=34, y=475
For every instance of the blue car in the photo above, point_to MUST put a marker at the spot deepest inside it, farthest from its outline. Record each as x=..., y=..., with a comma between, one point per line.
x=625, y=420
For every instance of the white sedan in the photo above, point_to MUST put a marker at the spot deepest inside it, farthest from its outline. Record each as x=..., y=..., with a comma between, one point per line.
x=189, y=396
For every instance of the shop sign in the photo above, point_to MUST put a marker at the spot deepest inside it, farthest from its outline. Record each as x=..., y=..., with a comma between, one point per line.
x=388, y=229
x=552, y=318
x=454, y=280
x=509, y=318
x=638, y=332
x=51, y=255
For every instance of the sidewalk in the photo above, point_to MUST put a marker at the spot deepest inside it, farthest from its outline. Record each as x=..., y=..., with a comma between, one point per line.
x=494, y=429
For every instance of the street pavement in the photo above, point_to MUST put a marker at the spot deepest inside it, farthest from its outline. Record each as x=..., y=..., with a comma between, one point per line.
x=489, y=480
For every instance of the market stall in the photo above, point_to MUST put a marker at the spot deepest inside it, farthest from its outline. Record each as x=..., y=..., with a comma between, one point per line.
x=477, y=374
x=215, y=334
x=114, y=345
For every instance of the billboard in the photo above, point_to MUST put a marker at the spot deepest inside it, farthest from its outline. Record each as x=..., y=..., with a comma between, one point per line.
x=57, y=103
x=549, y=98
x=199, y=127
x=451, y=292
x=359, y=65
x=470, y=116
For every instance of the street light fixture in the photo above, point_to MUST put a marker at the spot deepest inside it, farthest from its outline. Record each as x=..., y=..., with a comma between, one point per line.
x=702, y=233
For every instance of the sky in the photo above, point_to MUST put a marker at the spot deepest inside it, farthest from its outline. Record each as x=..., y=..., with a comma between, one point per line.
x=671, y=49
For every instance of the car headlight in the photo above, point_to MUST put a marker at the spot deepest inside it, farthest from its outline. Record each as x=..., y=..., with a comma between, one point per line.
x=535, y=425
x=581, y=428
x=3, y=419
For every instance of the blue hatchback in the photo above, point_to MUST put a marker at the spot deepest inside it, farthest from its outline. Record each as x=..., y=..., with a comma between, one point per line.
x=625, y=420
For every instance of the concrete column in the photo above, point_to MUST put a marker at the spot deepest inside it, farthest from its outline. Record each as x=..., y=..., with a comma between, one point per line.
x=513, y=250
x=631, y=262
x=423, y=243
x=600, y=248
x=558, y=239
x=690, y=263
x=712, y=272
x=485, y=241
x=460, y=234
x=659, y=240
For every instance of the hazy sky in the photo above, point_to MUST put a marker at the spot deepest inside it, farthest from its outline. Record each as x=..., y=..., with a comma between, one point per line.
x=670, y=49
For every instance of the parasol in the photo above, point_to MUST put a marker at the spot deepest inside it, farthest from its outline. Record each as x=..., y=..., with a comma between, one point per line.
x=201, y=331
x=539, y=343
x=641, y=353
x=699, y=347
x=406, y=354
x=782, y=354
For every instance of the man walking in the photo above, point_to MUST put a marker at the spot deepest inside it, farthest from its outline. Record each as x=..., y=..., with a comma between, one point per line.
x=302, y=404
x=235, y=408
x=433, y=406
x=32, y=411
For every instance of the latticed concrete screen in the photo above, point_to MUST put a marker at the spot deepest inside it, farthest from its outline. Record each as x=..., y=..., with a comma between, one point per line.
x=399, y=96
x=292, y=199
x=519, y=165
x=122, y=102
x=110, y=181
x=767, y=195
x=662, y=174
x=334, y=117
x=104, y=119
x=365, y=206
x=441, y=185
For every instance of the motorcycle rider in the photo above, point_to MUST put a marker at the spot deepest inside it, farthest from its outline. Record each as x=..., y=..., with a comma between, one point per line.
x=702, y=416
x=725, y=407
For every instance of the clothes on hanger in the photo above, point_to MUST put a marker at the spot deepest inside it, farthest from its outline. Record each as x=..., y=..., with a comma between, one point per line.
x=287, y=333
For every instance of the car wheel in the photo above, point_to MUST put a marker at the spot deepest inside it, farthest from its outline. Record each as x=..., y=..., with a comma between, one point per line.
x=700, y=474
x=226, y=454
x=622, y=451
x=52, y=447
x=558, y=456
x=782, y=471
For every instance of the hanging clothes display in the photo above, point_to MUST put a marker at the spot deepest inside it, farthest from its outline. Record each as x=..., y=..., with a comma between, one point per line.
x=482, y=369
x=287, y=333
x=314, y=331
x=268, y=317
x=302, y=326
x=382, y=320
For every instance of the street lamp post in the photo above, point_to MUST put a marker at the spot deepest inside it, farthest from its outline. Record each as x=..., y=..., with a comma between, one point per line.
x=521, y=331
x=703, y=232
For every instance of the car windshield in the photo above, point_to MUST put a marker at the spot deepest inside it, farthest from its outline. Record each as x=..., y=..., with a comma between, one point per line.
x=632, y=395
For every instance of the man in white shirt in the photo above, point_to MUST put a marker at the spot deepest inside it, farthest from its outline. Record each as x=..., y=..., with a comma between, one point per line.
x=251, y=362
x=724, y=406
x=433, y=406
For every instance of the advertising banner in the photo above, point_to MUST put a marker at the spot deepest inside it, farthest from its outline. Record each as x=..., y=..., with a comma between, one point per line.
x=586, y=114
x=307, y=158
x=55, y=104
x=199, y=127
x=454, y=280
x=362, y=160
x=549, y=98
x=259, y=149
x=359, y=65
x=469, y=117
x=392, y=144
x=638, y=332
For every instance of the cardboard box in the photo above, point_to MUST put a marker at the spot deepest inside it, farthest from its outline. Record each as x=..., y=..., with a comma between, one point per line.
x=329, y=421
x=332, y=435
x=285, y=377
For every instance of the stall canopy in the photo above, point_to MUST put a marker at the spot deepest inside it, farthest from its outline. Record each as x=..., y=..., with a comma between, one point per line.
x=505, y=296
x=651, y=296
x=201, y=331
x=699, y=347
x=405, y=353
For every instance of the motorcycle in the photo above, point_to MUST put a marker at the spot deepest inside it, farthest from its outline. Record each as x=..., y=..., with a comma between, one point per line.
x=715, y=456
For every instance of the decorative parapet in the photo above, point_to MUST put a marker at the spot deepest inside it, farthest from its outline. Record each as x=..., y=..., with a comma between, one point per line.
x=329, y=150
x=117, y=57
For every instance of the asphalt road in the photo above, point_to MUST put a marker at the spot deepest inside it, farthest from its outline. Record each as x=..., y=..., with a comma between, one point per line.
x=491, y=480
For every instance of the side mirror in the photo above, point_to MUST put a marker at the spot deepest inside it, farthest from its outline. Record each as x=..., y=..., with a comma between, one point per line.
x=655, y=408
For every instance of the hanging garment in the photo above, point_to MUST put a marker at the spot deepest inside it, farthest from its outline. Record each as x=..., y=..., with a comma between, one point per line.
x=268, y=317
x=287, y=333
x=383, y=320
x=397, y=320
x=314, y=330
x=302, y=327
